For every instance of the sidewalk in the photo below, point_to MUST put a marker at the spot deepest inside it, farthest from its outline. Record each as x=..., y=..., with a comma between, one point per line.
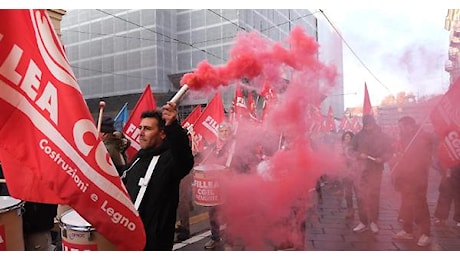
x=327, y=229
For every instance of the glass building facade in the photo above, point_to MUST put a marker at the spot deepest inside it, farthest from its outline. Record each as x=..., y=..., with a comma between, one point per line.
x=116, y=53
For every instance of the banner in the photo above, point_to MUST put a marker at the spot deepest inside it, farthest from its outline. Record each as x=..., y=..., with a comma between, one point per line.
x=146, y=102
x=50, y=149
x=121, y=118
x=445, y=118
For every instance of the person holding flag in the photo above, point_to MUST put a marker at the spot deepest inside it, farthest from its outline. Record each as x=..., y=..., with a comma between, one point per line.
x=154, y=176
x=413, y=157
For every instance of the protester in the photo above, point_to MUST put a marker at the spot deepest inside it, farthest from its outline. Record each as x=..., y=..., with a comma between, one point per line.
x=449, y=194
x=372, y=148
x=37, y=223
x=219, y=154
x=184, y=207
x=125, y=143
x=156, y=198
x=411, y=171
x=112, y=143
x=348, y=179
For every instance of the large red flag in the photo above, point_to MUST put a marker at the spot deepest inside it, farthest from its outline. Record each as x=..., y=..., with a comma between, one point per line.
x=50, y=149
x=367, y=108
x=146, y=102
x=210, y=119
x=445, y=118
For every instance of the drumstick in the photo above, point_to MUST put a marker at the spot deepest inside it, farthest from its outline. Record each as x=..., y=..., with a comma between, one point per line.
x=101, y=110
x=2, y=181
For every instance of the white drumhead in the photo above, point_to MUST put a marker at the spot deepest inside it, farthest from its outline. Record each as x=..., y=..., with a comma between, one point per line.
x=8, y=202
x=209, y=167
x=72, y=218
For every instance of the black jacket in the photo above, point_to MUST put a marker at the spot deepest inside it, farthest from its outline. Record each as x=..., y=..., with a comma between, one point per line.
x=159, y=204
x=38, y=217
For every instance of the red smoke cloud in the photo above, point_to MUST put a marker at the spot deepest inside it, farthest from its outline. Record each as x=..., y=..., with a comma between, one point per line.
x=264, y=209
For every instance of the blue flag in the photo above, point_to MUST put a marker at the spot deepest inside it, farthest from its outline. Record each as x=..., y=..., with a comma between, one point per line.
x=121, y=118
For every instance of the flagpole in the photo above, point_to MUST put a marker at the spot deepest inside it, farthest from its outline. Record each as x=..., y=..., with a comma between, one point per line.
x=101, y=110
x=419, y=130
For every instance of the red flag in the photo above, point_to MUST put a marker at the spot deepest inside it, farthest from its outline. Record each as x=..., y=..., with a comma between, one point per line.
x=330, y=121
x=50, y=149
x=252, y=107
x=188, y=124
x=355, y=125
x=316, y=119
x=349, y=125
x=192, y=117
x=211, y=117
x=344, y=123
x=146, y=102
x=269, y=96
x=267, y=91
x=367, y=108
x=239, y=102
x=445, y=118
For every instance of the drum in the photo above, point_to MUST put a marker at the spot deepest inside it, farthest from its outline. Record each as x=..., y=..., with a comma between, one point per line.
x=61, y=209
x=78, y=235
x=206, y=184
x=11, y=234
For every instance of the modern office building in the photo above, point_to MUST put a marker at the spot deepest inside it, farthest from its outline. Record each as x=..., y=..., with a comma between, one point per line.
x=116, y=53
x=452, y=25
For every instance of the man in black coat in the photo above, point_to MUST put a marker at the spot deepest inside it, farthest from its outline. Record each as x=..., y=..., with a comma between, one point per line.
x=372, y=148
x=160, y=135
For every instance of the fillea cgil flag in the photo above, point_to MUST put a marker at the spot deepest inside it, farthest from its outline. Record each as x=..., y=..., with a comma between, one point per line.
x=50, y=148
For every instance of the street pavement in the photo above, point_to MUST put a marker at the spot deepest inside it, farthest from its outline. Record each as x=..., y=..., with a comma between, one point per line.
x=327, y=229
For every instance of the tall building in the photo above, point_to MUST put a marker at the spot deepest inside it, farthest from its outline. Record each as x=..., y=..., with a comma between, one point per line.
x=116, y=53
x=453, y=26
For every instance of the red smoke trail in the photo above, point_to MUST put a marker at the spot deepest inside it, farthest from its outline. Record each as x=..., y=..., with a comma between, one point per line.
x=265, y=209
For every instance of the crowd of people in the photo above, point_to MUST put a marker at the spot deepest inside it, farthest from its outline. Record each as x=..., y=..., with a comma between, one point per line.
x=409, y=156
x=165, y=164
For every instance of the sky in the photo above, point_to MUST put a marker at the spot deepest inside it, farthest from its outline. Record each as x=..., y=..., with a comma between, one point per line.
x=395, y=50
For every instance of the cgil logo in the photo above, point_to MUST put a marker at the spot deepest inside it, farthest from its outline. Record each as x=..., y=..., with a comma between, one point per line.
x=452, y=141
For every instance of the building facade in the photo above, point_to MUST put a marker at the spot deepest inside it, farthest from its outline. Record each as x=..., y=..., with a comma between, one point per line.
x=452, y=25
x=116, y=53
